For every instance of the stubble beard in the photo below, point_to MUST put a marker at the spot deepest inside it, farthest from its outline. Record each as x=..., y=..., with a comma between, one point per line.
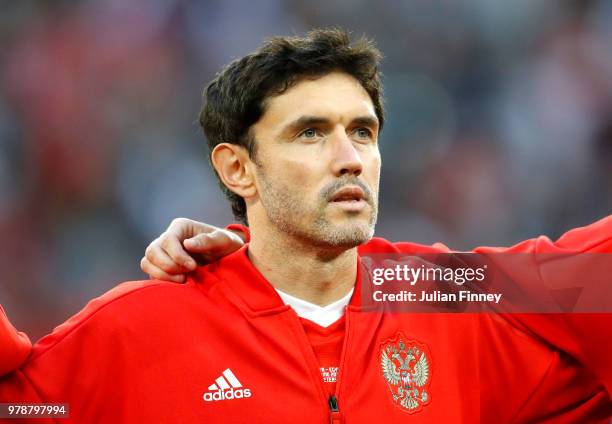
x=290, y=214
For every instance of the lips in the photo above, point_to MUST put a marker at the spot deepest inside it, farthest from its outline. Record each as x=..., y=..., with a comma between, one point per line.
x=348, y=194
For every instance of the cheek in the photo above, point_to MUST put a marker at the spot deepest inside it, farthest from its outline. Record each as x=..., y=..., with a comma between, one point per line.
x=298, y=176
x=300, y=165
x=372, y=169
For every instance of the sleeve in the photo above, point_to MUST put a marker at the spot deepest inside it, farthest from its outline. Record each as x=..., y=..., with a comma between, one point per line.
x=580, y=261
x=85, y=359
x=64, y=363
x=596, y=237
x=15, y=349
x=15, y=346
x=593, y=238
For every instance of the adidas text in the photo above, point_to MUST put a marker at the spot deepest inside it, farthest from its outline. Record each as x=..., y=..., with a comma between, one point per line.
x=227, y=394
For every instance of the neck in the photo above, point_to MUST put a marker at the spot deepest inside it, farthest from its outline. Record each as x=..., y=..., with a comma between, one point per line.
x=312, y=273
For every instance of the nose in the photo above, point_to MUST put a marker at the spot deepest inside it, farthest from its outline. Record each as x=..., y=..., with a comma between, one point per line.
x=345, y=157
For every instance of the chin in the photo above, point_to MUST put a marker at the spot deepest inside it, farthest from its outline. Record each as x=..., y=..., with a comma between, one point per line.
x=348, y=236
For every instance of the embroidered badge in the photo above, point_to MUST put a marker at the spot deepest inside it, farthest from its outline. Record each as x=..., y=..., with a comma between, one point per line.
x=405, y=365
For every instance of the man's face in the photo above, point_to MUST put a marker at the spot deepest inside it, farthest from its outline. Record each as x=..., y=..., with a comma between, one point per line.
x=317, y=162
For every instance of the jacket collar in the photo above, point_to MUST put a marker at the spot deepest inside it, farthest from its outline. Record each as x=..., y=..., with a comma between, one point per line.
x=239, y=275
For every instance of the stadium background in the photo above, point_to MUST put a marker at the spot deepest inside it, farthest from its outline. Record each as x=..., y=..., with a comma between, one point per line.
x=499, y=126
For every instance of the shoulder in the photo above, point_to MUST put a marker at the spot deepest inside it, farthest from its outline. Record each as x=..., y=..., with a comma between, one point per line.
x=127, y=303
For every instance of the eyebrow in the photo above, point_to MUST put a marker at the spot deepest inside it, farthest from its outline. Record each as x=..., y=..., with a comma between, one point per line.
x=308, y=120
x=366, y=121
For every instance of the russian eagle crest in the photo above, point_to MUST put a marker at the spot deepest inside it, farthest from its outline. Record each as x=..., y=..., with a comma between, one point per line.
x=406, y=367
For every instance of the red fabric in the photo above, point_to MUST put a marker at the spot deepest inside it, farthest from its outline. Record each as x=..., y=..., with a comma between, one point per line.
x=149, y=351
x=326, y=343
x=14, y=345
x=241, y=228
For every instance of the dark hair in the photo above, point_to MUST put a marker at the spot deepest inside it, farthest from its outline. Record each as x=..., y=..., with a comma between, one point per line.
x=235, y=99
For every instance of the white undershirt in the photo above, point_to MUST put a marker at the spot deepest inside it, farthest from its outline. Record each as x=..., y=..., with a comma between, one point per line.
x=321, y=315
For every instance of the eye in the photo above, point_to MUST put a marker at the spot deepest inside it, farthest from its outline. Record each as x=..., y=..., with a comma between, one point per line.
x=363, y=133
x=309, y=133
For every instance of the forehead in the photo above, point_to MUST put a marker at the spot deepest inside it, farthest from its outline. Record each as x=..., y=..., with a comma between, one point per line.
x=336, y=96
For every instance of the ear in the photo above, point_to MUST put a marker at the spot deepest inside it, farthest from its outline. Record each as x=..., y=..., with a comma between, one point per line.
x=232, y=164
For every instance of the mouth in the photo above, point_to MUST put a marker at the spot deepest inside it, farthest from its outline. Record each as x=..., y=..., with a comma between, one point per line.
x=349, y=198
x=348, y=194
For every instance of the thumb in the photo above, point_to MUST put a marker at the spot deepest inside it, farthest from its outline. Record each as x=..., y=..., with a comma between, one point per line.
x=197, y=244
x=213, y=245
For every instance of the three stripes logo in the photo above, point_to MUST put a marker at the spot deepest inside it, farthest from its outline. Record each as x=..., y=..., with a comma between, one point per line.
x=226, y=387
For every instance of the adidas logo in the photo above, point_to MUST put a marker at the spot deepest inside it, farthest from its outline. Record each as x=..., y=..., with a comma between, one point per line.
x=226, y=387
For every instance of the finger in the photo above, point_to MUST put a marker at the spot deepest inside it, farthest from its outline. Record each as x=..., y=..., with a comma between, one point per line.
x=156, y=273
x=214, y=245
x=159, y=258
x=172, y=246
x=183, y=228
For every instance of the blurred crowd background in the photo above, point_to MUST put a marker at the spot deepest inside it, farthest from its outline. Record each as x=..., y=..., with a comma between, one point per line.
x=499, y=126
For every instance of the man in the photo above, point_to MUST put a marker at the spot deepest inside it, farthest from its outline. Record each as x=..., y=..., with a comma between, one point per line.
x=276, y=331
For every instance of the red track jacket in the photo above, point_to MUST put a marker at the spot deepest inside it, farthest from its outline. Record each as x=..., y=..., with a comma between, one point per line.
x=223, y=348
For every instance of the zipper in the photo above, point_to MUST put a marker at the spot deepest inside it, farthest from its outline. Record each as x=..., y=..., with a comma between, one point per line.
x=331, y=402
x=334, y=411
x=335, y=417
